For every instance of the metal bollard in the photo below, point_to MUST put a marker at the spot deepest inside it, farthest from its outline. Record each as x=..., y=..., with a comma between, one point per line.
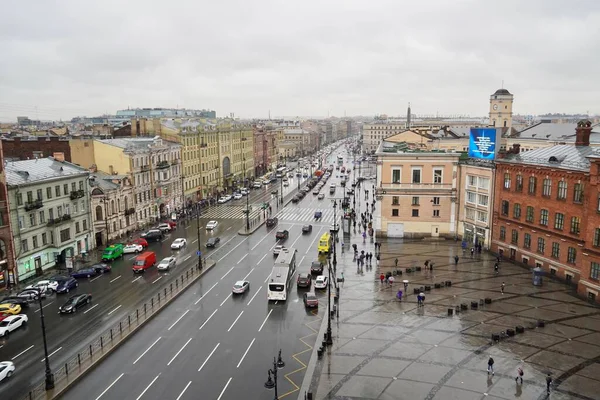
x=171, y=287
x=165, y=292
x=129, y=319
x=137, y=313
x=186, y=274
x=78, y=359
x=101, y=343
x=182, y=280
x=144, y=308
x=90, y=350
x=120, y=327
x=152, y=302
x=30, y=396
x=66, y=369
x=176, y=283
x=159, y=297
x=111, y=335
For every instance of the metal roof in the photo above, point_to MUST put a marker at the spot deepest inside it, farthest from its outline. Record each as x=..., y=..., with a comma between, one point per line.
x=26, y=172
x=563, y=156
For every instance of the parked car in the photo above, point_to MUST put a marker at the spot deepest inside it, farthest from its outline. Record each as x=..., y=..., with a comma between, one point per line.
x=102, y=268
x=304, y=280
x=153, y=235
x=282, y=234
x=84, y=273
x=316, y=267
x=315, y=192
x=10, y=308
x=144, y=261
x=164, y=227
x=240, y=287
x=278, y=249
x=20, y=301
x=295, y=199
x=46, y=284
x=321, y=282
x=310, y=300
x=12, y=323
x=112, y=252
x=307, y=228
x=286, y=184
x=66, y=284
x=178, y=243
x=74, y=302
x=211, y=225
x=166, y=263
x=213, y=241
x=32, y=294
x=274, y=191
x=222, y=200
x=244, y=191
x=237, y=196
x=141, y=241
x=272, y=222
x=6, y=369
x=133, y=248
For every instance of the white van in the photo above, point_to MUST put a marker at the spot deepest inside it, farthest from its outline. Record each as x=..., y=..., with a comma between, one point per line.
x=257, y=185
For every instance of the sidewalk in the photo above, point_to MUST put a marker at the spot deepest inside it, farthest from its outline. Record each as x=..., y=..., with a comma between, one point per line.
x=387, y=349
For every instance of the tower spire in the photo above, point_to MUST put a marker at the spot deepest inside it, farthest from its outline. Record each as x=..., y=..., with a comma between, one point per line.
x=408, y=116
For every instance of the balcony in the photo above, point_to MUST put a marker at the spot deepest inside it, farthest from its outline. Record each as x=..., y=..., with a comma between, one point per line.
x=163, y=164
x=33, y=205
x=414, y=187
x=130, y=211
x=77, y=194
x=58, y=221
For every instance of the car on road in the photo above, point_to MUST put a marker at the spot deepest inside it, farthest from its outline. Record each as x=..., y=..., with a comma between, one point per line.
x=240, y=287
x=46, y=284
x=316, y=267
x=74, y=302
x=304, y=280
x=286, y=184
x=112, y=252
x=32, y=294
x=66, y=284
x=141, y=241
x=102, y=268
x=321, y=196
x=350, y=192
x=164, y=227
x=282, y=234
x=144, y=261
x=257, y=185
x=278, y=249
x=153, y=235
x=237, y=196
x=24, y=303
x=307, y=228
x=244, y=191
x=133, y=248
x=6, y=369
x=223, y=200
x=272, y=222
x=10, y=308
x=84, y=273
x=321, y=282
x=315, y=192
x=310, y=300
x=12, y=323
x=213, y=241
x=178, y=243
x=166, y=263
x=211, y=225
x=296, y=199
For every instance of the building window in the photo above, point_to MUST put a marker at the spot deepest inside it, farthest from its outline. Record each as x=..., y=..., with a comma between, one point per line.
x=595, y=271
x=73, y=186
x=436, y=201
x=395, y=200
x=519, y=183
x=34, y=242
x=527, y=241
x=77, y=227
x=44, y=239
x=436, y=213
x=30, y=197
x=547, y=187
x=517, y=211
x=39, y=194
x=529, y=217
x=66, y=189
x=482, y=216
x=502, y=233
x=471, y=197
x=470, y=213
x=482, y=200
x=484, y=183
x=514, y=236
x=32, y=219
x=59, y=211
x=57, y=190
x=575, y=225
x=507, y=180
x=416, y=175
x=472, y=180
x=415, y=212
x=562, y=190
x=505, y=207
x=65, y=235
x=42, y=217
x=396, y=174
x=85, y=224
x=597, y=237
x=437, y=175
x=415, y=201
x=51, y=213
x=555, y=250
x=571, y=255
x=20, y=199
x=578, y=193
x=544, y=217
x=541, y=245
x=24, y=246
x=395, y=212
x=532, y=185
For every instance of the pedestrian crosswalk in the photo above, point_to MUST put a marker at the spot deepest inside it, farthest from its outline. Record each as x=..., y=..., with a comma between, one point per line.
x=305, y=214
x=231, y=211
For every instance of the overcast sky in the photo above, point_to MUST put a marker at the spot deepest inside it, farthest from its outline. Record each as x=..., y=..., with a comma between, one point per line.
x=305, y=58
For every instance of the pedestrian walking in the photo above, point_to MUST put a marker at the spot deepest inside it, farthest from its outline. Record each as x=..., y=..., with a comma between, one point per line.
x=502, y=288
x=455, y=261
x=399, y=295
x=496, y=268
x=548, y=382
x=422, y=299
x=391, y=280
x=490, y=365
x=396, y=262
x=472, y=251
x=419, y=300
x=519, y=375
x=381, y=278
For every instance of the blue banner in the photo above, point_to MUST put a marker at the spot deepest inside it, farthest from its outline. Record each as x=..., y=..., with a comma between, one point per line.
x=482, y=143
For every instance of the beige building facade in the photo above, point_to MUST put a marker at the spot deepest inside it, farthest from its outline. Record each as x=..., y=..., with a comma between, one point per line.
x=476, y=202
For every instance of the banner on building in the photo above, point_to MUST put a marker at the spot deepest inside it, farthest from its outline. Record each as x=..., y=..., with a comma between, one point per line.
x=484, y=143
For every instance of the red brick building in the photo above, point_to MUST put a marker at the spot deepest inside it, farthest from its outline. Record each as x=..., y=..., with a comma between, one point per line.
x=7, y=254
x=546, y=211
x=29, y=148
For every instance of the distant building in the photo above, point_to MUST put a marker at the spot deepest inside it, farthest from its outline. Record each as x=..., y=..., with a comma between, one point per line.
x=501, y=109
x=32, y=147
x=165, y=113
x=8, y=269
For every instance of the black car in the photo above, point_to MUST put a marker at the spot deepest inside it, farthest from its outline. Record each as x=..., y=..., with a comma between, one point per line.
x=15, y=300
x=272, y=222
x=304, y=280
x=153, y=234
x=295, y=199
x=101, y=268
x=310, y=300
x=74, y=302
x=316, y=268
x=307, y=229
x=282, y=234
x=213, y=241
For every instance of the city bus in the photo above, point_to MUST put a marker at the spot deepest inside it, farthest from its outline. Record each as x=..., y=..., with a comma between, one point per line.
x=282, y=275
x=340, y=160
x=324, y=243
x=281, y=172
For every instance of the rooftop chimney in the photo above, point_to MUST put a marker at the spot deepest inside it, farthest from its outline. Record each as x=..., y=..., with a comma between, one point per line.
x=516, y=149
x=582, y=133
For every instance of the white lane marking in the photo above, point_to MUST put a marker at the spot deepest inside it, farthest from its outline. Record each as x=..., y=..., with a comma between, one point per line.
x=147, y=350
x=248, y=274
x=195, y=240
x=230, y=251
x=186, y=258
x=118, y=277
x=318, y=235
x=227, y=273
x=228, y=229
x=207, y=358
x=266, y=318
x=164, y=240
x=302, y=259
x=1, y=346
x=258, y=291
x=246, y=352
x=51, y=354
x=131, y=258
x=23, y=352
x=147, y=387
x=188, y=227
x=178, y=319
x=208, y=319
x=109, y=386
x=115, y=309
x=180, y=350
x=256, y=245
x=183, y=391
x=242, y=259
x=295, y=240
x=263, y=257
x=226, y=298
x=267, y=278
x=157, y=279
x=204, y=295
x=93, y=279
x=46, y=305
x=236, y=320
x=225, y=388
x=91, y=308
x=136, y=279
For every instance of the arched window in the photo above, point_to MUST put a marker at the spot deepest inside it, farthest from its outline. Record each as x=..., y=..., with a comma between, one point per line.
x=98, y=213
x=119, y=205
x=126, y=205
x=112, y=207
x=114, y=226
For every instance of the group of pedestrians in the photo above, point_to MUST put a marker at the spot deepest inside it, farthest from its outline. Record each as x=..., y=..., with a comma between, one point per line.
x=519, y=375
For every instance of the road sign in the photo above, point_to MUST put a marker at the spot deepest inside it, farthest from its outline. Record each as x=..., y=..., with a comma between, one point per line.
x=198, y=253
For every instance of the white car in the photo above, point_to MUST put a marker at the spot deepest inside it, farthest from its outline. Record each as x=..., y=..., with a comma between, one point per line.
x=6, y=369
x=321, y=196
x=164, y=227
x=133, y=248
x=240, y=287
x=286, y=184
x=321, y=282
x=222, y=200
x=257, y=185
x=12, y=323
x=211, y=225
x=237, y=196
x=44, y=285
x=178, y=243
x=166, y=263
x=278, y=249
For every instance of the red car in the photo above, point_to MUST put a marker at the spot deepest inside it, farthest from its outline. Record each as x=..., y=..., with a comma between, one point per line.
x=141, y=241
x=3, y=315
x=172, y=224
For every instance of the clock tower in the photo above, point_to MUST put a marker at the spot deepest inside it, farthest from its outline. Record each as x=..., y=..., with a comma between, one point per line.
x=501, y=104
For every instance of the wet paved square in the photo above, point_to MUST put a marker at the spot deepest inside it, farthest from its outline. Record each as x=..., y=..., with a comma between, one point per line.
x=389, y=350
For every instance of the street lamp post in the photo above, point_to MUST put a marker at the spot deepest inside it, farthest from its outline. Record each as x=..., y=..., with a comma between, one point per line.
x=281, y=188
x=335, y=228
x=199, y=242
x=271, y=383
x=247, y=212
x=329, y=337
x=49, y=374
x=105, y=201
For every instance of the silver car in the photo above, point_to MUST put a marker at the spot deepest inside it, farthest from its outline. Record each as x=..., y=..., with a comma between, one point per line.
x=166, y=263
